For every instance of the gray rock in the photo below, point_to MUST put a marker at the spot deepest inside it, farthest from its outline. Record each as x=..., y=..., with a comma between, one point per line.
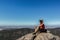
x=40, y=36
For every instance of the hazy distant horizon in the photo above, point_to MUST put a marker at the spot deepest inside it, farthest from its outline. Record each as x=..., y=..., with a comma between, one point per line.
x=25, y=26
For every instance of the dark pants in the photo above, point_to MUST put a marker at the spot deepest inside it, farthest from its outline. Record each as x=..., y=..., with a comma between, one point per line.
x=42, y=30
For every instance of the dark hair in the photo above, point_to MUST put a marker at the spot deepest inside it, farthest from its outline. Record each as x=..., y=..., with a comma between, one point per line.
x=40, y=20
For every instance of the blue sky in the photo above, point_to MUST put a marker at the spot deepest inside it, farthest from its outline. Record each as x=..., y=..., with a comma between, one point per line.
x=28, y=12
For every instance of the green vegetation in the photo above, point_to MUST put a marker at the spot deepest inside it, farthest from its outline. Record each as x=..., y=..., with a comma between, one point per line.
x=14, y=34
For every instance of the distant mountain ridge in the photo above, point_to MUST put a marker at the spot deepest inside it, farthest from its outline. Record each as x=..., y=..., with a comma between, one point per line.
x=25, y=26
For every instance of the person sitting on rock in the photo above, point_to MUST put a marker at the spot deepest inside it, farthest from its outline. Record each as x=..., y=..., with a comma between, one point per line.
x=40, y=28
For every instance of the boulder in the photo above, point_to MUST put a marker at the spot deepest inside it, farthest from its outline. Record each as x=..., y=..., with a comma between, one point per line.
x=40, y=36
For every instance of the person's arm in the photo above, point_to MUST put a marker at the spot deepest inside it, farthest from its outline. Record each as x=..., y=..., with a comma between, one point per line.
x=41, y=24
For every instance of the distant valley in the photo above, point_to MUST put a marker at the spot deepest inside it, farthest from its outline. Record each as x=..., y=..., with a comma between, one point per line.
x=14, y=34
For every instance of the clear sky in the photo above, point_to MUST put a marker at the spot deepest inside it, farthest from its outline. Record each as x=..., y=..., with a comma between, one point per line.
x=28, y=12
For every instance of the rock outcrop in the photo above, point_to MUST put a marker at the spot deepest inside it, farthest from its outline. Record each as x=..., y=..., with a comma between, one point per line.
x=40, y=36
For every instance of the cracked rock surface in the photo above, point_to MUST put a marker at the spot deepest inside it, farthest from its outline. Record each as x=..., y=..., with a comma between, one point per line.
x=40, y=36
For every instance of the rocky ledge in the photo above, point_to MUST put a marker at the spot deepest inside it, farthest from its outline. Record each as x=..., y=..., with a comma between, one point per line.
x=40, y=36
